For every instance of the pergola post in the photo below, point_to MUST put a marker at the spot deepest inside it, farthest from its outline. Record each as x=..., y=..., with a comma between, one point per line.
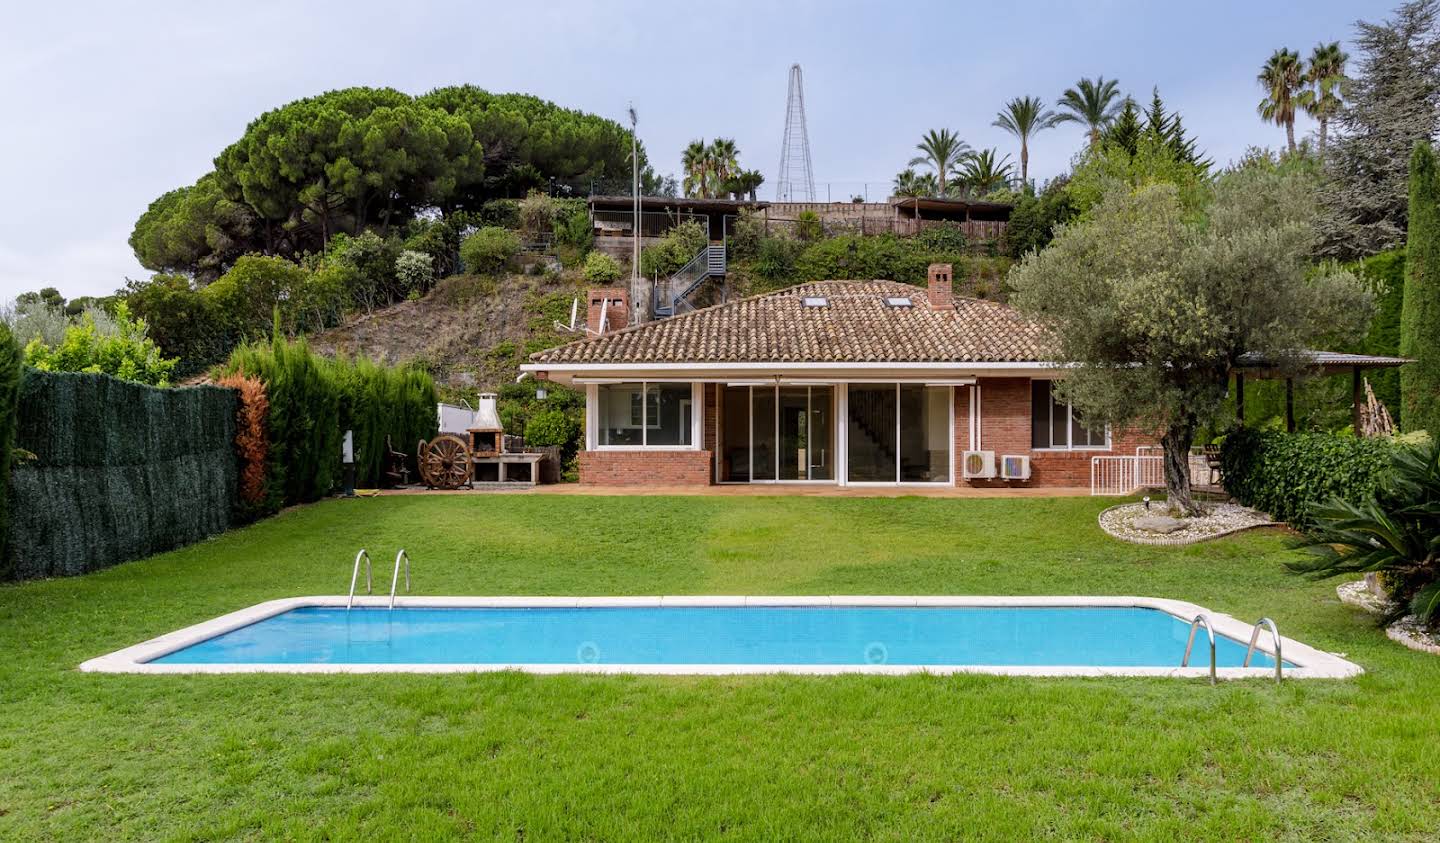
x=1289, y=405
x=1356, y=391
x=1240, y=398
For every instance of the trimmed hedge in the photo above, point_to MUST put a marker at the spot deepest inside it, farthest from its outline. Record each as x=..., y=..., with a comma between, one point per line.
x=120, y=471
x=1283, y=473
x=314, y=399
x=10, y=374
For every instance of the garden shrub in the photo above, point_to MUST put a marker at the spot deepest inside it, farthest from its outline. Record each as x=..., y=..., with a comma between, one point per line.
x=808, y=226
x=550, y=428
x=537, y=214
x=601, y=268
x=120, y=471
x=415, y=272
x=251, y=443
x=677, y=248
x=10, y=374
x=1393, y=532
x=489, y=251
x=1285, y=473
x=126, y=352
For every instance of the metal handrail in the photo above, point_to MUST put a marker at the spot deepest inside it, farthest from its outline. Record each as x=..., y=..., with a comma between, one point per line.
x=355, y=576
x=1274, y=638
x=395, y=578
x=1201, y=620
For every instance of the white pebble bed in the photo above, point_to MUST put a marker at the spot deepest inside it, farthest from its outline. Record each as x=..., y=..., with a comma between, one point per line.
x=1405, y=631
x=1221, y=520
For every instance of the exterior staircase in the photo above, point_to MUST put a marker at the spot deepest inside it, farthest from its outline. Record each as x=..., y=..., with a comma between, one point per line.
x=672, y=296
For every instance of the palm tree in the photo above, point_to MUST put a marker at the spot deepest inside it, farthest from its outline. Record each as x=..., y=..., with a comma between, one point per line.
x=909, y=183
x=695, y=161
x=724, y=162
x=944, y=152
x=1023, y=117
x=983, y=173
x=1327, y=77
x=1281, y=78
x=744, y=184
x=1091, y=103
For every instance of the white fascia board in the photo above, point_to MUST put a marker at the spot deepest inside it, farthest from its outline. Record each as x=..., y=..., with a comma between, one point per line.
x=735, y=372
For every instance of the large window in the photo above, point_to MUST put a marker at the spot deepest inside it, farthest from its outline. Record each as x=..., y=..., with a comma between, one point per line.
x=640, y=415
x=1056, y=425
x=898, y=433
x=773, y=433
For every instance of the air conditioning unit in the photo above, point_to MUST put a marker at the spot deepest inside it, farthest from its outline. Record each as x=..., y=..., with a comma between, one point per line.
x=1015, y=467
x=978, y=465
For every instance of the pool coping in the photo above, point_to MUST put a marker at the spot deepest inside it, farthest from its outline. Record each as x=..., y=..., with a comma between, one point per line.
x=1309, y=662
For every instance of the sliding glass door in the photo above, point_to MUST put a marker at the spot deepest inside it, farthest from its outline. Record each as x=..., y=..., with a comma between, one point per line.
x=777, y=433
x=898, y=433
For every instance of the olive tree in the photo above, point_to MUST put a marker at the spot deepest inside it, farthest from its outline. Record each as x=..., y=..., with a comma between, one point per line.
x=1152, y=305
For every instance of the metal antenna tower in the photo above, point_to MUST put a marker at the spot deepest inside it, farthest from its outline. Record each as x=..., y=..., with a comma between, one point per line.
x=797, y=179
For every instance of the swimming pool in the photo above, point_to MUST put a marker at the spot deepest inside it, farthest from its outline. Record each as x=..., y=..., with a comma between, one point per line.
x=1034, y=635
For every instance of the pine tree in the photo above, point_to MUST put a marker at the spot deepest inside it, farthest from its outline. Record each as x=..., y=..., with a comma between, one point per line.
x=1392, y=102
x=1125, y=131
x=1420, y=313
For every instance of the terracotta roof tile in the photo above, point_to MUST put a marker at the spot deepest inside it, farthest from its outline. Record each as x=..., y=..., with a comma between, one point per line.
x=856, y=327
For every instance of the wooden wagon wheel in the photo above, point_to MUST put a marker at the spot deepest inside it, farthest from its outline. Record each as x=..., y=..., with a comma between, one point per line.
x=445, y=462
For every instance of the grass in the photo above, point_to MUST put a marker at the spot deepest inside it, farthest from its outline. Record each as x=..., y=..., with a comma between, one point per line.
x=525, y=757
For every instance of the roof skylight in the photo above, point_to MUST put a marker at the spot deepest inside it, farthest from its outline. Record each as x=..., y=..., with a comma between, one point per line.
x=815, y=301
x=899, y=301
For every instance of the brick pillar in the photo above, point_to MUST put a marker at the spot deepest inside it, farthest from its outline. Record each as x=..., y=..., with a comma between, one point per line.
x=618, y=316
x=941, y=293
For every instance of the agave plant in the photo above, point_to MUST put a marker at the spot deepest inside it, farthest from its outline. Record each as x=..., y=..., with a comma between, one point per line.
x=1395, y=534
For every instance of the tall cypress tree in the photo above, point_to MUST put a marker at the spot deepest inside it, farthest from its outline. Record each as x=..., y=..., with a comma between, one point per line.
x=1124, y=132
x=1420, y=313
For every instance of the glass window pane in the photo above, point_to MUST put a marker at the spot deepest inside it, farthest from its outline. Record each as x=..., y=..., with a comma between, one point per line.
x=794, y=431
x=617, y=416
x=735, y=431
x=870, y=427
x=1083, y=437
x=819, y=449
x=669, y=414
x=1039, y=414
x=924, y=433
x=1059, y=422
x=764, y=446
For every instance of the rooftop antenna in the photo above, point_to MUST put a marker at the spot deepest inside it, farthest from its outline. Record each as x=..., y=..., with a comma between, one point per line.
x=637, y=281
x=797, y=179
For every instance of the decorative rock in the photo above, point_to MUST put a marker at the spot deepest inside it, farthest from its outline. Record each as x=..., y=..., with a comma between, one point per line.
x=1163, y=524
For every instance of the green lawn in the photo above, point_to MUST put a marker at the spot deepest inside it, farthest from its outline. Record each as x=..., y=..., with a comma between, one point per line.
x=621, y=758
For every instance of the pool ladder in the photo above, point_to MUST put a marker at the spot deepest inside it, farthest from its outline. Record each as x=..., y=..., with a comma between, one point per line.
x=1202, y=620
x=402, y=556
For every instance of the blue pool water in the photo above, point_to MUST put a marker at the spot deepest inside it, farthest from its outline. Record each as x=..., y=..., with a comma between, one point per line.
x=1100, y=636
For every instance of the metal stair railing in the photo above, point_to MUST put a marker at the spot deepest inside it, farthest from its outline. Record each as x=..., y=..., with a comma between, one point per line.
x=1274, y=640
x=1201, y=620
x=395, y=577
x=355, y=576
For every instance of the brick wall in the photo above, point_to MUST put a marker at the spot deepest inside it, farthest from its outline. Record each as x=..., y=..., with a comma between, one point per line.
x=1005, y=429
x=645, y=468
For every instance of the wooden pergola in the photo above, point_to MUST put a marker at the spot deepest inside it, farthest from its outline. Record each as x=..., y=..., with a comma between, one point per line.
x=1319, y=362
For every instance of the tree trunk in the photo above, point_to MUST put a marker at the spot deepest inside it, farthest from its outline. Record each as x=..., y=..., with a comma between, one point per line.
x=1290, y=133
x=1176, y=442
x=1024, y=163
x=1324, y=125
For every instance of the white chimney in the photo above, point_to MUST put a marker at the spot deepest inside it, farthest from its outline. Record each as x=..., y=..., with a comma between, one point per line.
x=486, y=416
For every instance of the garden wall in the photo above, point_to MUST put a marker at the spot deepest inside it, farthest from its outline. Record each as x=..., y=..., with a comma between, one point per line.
x=119, y=471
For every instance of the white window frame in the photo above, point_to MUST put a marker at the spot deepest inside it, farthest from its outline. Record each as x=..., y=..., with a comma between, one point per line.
x=1069, y=424
x=697, y=417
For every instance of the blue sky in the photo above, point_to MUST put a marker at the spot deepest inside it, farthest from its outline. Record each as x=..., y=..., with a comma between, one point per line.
x=107, y=107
